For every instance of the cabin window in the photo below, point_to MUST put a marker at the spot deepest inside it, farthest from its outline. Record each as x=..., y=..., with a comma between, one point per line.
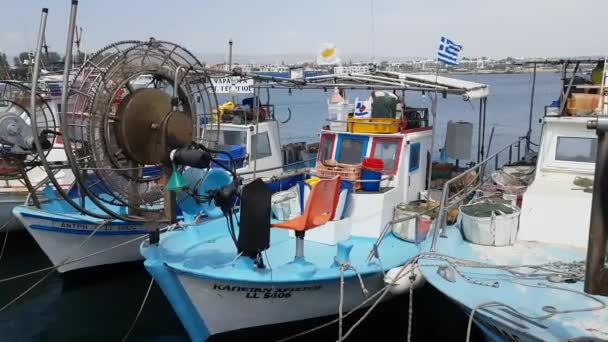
x=261, y=145
x=327, y=147
x=387, y=149
x=414, y=156
x=351, y=149
x=223, y=137
x=575, y=149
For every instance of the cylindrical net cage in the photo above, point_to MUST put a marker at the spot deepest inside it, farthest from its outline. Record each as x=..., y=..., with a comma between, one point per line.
x=15, y=102
x=127, y=104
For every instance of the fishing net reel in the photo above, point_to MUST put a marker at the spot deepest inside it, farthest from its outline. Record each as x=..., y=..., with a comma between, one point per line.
x=130, y=105
x=18, y=153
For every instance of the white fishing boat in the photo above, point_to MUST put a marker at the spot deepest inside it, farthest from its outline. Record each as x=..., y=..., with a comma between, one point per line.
x=542, y=277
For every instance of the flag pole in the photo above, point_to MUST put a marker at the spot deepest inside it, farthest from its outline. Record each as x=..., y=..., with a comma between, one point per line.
x=434, y=119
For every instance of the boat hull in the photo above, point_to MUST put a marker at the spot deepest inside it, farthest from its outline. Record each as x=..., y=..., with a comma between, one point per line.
x=211, y=306
x=60, y=239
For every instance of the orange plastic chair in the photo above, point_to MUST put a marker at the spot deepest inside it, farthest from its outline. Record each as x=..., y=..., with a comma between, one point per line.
x=320, y=206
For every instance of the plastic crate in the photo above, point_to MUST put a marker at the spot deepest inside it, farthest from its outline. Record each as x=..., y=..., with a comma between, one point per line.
x=370, y=125
x=345, y=171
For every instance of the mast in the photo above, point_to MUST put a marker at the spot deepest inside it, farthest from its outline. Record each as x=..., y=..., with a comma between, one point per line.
x=529, y=134
x=230, y=55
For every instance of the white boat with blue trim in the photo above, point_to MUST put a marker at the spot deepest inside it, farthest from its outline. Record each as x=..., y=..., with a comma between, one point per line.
x=267, y=267
x=546, y=281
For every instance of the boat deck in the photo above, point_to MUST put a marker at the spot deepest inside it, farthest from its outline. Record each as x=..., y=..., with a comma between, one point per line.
x=526, y=300
x=207, y=251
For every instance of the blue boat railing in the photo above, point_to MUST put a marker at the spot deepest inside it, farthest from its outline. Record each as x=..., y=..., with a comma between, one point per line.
x=471, y=180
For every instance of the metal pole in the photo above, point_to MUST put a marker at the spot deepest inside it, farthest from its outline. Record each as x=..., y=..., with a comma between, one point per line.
x=529, y=134
x=430, y=155
x=41, y=32
x=596, y=272
x=562, y=104
x=483, y=130
x=479, y=131
x=254, y=149
x=434, y=105
x=230, y=55
x=68, y=64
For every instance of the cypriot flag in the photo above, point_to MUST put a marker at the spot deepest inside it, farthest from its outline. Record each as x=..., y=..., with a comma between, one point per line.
x=328, y=55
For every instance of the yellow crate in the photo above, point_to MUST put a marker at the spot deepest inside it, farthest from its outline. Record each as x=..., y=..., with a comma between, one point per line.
x=370, y=125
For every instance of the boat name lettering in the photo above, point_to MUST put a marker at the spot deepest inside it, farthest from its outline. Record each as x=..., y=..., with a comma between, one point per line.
x=265, y=292
x=84, y=226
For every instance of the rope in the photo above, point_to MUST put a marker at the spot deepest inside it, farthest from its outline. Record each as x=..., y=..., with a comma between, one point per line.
x=341, y=305
x=470, y=323
x=5, y=236
x=384, y=293
x=306, y=332
x=555, y=272
x=343, y=267
x=51, y=271
x=410, y=312
x=141, y=308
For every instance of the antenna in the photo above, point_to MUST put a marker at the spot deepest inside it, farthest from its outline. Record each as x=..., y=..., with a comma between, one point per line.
x=373, y=33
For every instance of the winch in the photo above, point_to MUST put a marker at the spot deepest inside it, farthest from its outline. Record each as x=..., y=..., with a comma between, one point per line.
x=128, y=106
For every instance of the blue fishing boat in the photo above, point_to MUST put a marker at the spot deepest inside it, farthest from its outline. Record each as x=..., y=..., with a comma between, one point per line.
x=535, y=273
x=333, y=255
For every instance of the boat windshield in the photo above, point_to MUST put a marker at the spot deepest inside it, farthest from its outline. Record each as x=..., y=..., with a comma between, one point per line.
x=576, y=149
x=351, y=151
x=226, y=137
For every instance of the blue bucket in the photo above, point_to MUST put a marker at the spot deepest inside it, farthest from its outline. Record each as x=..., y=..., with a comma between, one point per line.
x=366, y=175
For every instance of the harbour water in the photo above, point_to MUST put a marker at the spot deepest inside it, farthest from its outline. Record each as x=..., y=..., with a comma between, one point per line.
x=101, y=305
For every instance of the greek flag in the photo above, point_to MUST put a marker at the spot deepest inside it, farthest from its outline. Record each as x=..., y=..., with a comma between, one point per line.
x=448, y=52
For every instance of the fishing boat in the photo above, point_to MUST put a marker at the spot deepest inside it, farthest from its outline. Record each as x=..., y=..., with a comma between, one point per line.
x=74, y=223
x=333, y=254
x=535, y=273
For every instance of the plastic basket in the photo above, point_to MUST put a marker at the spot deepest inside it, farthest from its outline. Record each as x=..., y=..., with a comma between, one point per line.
x=345, y=171
x=370, y=125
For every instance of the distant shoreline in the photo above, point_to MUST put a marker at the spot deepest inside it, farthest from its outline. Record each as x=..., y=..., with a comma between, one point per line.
x=498, y=72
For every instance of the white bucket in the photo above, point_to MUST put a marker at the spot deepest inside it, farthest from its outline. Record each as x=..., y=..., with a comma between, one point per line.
x=496, y=230
x=405, y=230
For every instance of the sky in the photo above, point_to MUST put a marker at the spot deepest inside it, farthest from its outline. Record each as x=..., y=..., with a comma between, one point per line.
x=401, y=28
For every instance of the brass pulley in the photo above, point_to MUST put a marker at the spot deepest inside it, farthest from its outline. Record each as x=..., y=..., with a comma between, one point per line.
x=148, y=129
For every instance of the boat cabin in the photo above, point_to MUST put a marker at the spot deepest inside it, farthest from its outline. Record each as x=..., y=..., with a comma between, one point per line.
x=253, y=142
x=405, y=157
x=556, y=208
